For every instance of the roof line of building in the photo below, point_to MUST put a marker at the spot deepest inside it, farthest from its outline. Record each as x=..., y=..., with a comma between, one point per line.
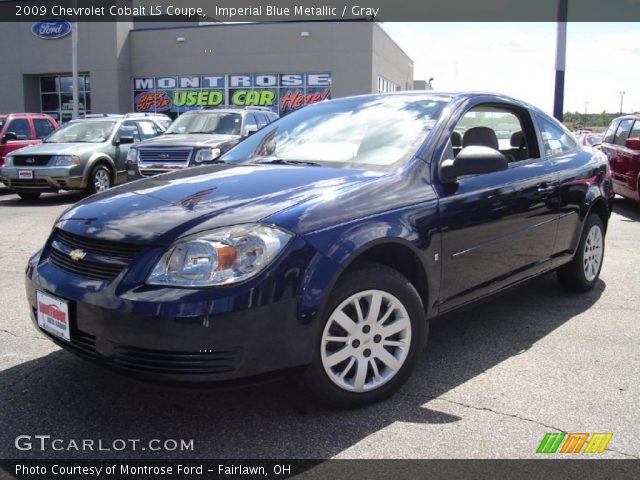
x=221, y=24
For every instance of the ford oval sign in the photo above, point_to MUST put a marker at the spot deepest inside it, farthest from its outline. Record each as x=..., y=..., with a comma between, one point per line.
x=51, y=29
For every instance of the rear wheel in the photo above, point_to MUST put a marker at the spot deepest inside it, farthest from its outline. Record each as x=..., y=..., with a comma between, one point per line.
x=581, y=274
x=29, y=195
x=370, y=338
x=99, y=180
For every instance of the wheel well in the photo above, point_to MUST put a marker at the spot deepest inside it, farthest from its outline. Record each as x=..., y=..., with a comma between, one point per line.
x=403, y=260
x=106, y=163
x=600, y=209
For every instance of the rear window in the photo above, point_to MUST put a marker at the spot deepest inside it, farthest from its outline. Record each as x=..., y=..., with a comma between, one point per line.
x=43, y=127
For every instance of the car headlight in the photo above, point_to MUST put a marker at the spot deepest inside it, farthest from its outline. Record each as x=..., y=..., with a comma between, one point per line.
x=206, y=155
x=132, y=155
x=8, y=161
x=65, y=160
x=220, y=257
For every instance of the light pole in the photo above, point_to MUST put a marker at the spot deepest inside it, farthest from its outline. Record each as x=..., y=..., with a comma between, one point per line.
x=561, y=53
x=586, y=104
x=621, y=100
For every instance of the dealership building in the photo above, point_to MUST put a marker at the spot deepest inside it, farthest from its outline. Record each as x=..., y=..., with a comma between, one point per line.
x=155, y=67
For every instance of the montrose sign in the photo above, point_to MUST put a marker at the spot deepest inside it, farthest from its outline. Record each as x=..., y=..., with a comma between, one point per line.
x=282, y=92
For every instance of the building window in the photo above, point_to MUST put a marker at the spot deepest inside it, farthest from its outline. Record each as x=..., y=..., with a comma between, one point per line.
x=387, y=86
x=56, y=96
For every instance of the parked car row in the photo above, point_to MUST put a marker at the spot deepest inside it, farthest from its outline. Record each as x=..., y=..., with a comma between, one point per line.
x=94, y=153
x=322, y=244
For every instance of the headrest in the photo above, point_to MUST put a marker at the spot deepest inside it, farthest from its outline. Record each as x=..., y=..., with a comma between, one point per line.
x=482, y=136
x=456, y=139
x=517, y=140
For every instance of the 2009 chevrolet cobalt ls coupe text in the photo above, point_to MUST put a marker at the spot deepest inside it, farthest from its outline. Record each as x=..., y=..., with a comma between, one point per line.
x=326, y=241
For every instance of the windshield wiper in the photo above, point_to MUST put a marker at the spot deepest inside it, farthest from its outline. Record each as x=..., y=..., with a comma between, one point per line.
x=282, y=161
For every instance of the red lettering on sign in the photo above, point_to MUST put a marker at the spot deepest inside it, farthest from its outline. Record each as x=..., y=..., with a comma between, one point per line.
x=52, y=312
x=295, y=99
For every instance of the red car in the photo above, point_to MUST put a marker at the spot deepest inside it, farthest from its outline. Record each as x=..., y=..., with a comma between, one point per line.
x=621, y=144
x=19, y=130
x=590, y=139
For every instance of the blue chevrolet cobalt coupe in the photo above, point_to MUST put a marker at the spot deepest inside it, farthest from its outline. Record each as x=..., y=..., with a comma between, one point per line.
x=324, y=243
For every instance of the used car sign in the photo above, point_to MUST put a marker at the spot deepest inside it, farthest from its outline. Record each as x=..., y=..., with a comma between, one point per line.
x=51, y=29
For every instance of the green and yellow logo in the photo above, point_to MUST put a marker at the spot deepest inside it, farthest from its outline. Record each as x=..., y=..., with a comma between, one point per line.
x=573, y=442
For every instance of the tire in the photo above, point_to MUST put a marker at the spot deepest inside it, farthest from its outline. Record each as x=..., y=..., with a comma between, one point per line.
x=29, y=195
x=362, y=377
x=581, y=274
x=99, y=180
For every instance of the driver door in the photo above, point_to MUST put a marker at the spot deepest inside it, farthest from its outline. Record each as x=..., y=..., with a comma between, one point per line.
x=497, y=227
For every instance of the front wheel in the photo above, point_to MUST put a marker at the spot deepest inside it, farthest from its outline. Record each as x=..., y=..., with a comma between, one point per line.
x=99, y=180
x=369, y=340
x=581, y=274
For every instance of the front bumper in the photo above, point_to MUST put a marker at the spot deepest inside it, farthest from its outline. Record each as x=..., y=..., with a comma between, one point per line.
x=183, y=335
x=49, y=179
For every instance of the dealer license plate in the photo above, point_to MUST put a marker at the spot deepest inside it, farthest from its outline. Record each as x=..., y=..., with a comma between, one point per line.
x=53, y=315
x=25, y=174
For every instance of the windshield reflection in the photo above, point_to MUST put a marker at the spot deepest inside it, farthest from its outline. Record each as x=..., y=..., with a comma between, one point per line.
x=366, y=131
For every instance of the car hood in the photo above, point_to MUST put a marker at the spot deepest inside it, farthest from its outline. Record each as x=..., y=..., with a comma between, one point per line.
x=183, y=140
x=58, y=149
x=160, y=209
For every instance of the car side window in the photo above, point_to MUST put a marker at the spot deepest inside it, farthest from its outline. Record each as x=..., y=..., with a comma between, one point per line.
x=497, y=127
x=43, y=127
x=20, y=126
x=261, y=119
x=556, y=139
x=622, y=133
x=250, y=123
x=609, y=134
x=129, y=129
x=148, y=129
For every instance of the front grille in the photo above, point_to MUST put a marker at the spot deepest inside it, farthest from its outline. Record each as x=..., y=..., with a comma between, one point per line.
x=39, y=183
x=100, y=247
x=104, y=260
x=164, y=155
x=84, y=268
x=173, y=362
x=152, y=172
x=31, y=160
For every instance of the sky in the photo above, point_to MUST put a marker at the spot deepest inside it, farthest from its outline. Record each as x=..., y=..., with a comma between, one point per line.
x=518, y=59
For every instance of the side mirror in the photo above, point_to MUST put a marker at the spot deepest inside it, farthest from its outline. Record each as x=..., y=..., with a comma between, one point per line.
x=632, y=143
x=9, y=136
x=472, y=160
x=123, y=141
x=250, y=131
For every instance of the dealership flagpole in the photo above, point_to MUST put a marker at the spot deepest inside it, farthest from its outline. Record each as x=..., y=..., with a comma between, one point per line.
x=561, y=58
x=74, y=68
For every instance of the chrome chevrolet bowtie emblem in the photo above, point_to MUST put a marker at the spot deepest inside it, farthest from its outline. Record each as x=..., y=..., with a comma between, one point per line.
x=77, y=254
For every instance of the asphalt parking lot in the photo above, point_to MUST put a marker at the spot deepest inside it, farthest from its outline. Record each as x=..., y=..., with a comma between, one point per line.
x=492, y=382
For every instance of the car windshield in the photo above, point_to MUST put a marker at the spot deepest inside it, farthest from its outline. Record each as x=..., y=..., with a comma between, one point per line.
x=82, y=132
x=2, y=120
x=594, y=139
x=224, y=123
x=369, y=131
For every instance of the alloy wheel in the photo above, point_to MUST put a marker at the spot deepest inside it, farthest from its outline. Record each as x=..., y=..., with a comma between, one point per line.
x=592, y=256
x=366, y=341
